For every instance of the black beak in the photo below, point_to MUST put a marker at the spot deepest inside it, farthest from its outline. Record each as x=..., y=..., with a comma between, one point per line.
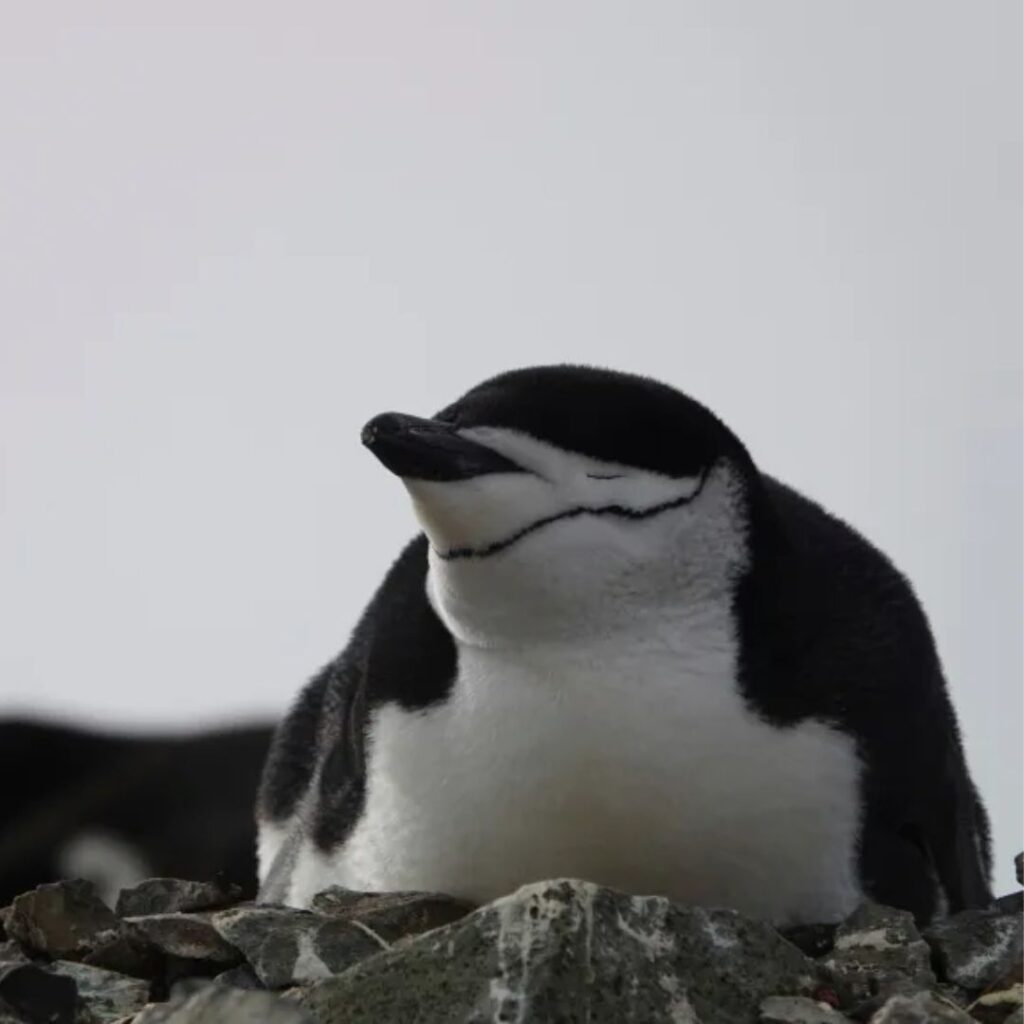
x=430, y=450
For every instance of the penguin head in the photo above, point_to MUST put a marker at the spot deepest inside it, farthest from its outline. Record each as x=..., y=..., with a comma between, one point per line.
x=564, y=500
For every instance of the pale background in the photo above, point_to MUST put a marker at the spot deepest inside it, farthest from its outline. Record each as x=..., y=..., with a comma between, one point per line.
x=230, y=233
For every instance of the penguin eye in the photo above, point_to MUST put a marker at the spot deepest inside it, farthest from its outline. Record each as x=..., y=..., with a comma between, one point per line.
x=610, y=476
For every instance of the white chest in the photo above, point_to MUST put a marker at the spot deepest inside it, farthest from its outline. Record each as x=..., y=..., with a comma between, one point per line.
x=632, y=763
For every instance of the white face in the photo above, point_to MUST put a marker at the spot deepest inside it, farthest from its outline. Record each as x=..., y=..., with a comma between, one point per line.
x=574, y=546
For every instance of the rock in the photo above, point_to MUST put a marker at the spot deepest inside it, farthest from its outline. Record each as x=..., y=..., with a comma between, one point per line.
x=570, y=950
x=879, y=951
x=36, y=995
x=185, y=987
x=393, y=915
x=285, y=946
x=128, y=953
x=1011, y=904
x=920, y=1008
x=798, y=1010
x=813, y=939
x=11, y=953
x=242, y=976
x=186, y=936
x=1018, y=863
x=863, y=1008
x=1017, y=1017
x=68, y=921
x=996, y=1006
x=975, y=948
x=173, y=895
x=216, y=1004
x=65, y=920
x=106, y=995
x=554, y=951
x=953, y=994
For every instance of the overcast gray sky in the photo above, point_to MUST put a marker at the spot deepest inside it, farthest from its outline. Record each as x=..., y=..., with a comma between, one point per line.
x=233, y=232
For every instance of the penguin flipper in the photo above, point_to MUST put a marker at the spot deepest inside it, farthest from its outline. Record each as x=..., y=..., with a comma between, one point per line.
x=291, y=760
x=400, y=653
x=958, y=838
x=928, y=849
x=314, y=781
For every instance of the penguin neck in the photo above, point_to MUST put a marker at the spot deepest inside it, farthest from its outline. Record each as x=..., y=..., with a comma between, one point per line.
x=588, y=600
x=585, y=579
x=477, y=617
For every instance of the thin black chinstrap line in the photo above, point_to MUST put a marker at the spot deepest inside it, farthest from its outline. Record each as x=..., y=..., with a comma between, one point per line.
x=572, y=513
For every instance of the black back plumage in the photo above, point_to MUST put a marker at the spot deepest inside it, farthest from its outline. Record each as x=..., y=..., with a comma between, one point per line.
x=828, y=629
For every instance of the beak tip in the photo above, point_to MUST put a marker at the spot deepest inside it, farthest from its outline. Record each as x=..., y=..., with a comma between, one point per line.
x=419, y=449
x=384, y=426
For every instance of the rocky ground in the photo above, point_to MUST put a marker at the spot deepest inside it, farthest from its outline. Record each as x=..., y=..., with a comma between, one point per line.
x=175, y=952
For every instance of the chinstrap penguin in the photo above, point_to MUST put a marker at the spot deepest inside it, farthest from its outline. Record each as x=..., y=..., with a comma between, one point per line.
x=620, y=652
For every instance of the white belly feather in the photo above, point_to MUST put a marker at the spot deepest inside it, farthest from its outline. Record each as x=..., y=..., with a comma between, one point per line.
x=632, y=764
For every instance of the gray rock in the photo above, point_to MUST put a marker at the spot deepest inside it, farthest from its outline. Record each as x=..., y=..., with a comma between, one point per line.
x=106, y=995
x=11, y=953
x=216, y=1004
x=1011, y=904
x=996, y=1006
x=976, y=948
x=798, y=1010
x=66, y=920
x=953, y=994
x=813, y=939
x=569, y=950
x=897, y=985
x=285, y=946
x=186, y=986
x=392, y=915
x=34, y=994
x=242, y=976
x=174, y=895
x=129, y=953
x=920, y=1008
x=186, y=936
x=1018, y=863
x=878, y=950
x=69, y=921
